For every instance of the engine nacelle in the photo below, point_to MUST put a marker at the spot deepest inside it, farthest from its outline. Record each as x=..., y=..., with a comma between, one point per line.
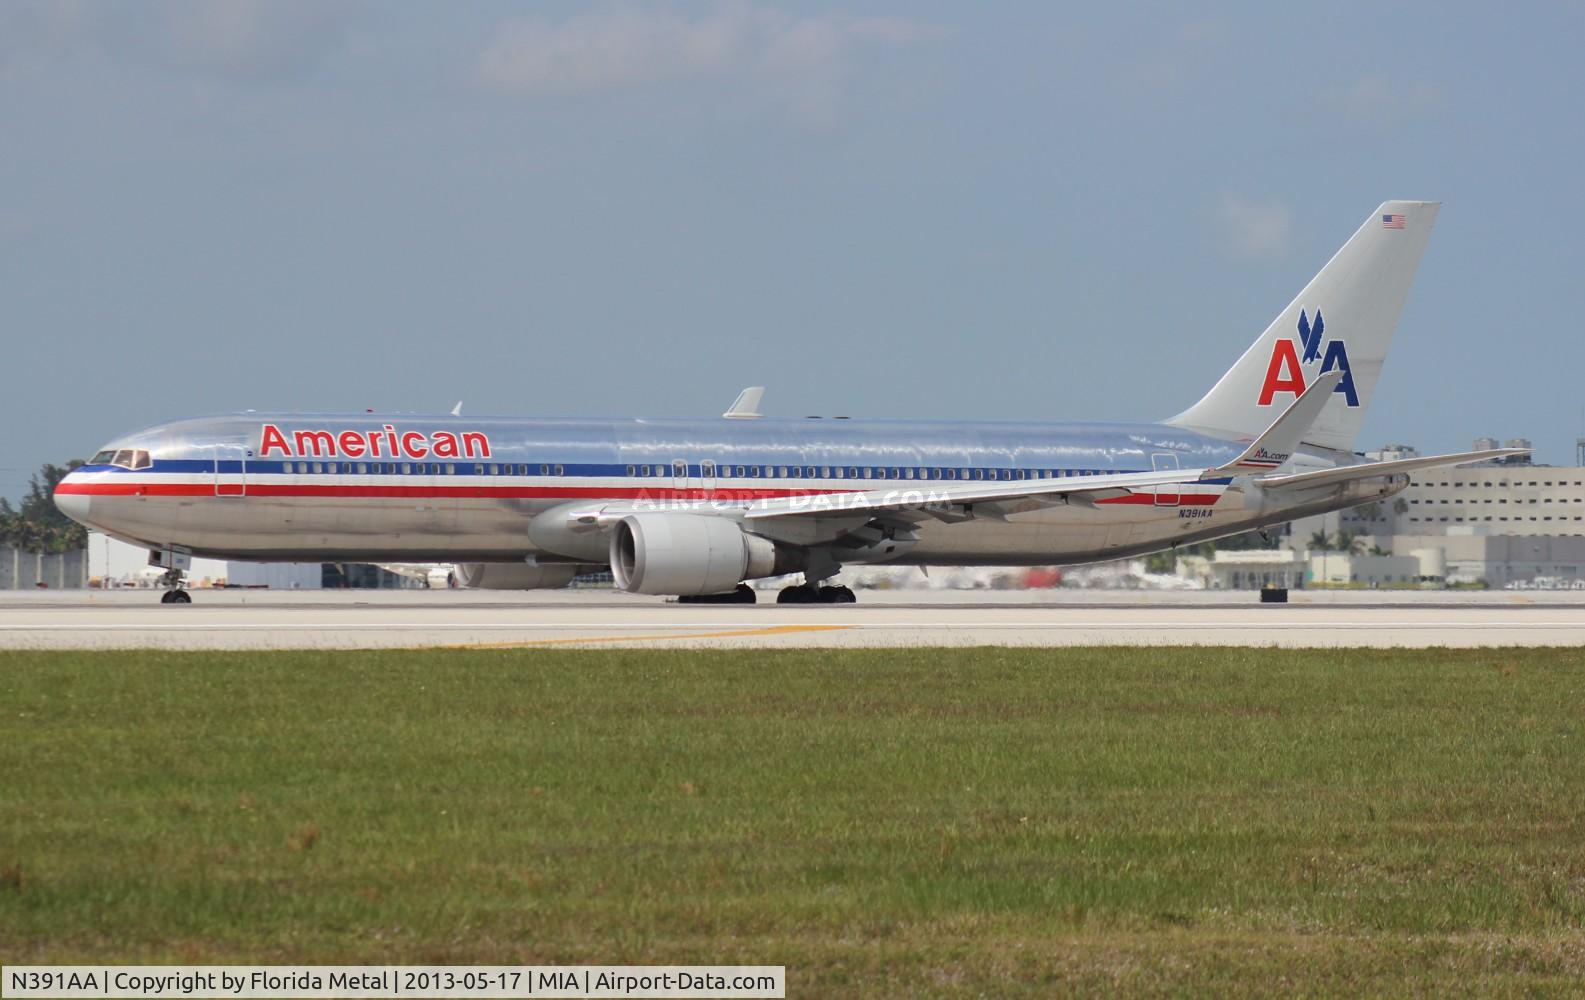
x=687, y=554
x=514, y=576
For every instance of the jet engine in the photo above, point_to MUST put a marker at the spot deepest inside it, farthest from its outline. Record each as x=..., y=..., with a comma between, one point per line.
x=514, y=576
x=689, y=554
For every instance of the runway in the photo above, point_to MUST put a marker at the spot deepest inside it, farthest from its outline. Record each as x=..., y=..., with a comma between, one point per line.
x=235, y=619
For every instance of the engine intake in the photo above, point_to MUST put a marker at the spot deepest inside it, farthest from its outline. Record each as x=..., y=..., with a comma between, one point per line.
x=688, y=554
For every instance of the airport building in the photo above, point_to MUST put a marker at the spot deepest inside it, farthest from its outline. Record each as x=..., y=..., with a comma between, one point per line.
x=1509, y=523
x=1294, y=569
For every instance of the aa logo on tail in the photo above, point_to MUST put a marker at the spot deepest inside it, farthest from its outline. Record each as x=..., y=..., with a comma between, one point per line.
x=1289, y=359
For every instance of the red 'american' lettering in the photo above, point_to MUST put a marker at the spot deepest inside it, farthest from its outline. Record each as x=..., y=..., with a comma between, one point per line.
x=387, y=442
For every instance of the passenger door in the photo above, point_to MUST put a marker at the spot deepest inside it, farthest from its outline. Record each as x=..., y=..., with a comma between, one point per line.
x=230, y=470
x=1166, y=496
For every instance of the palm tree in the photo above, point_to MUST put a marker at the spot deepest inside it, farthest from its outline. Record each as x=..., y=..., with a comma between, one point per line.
x=1321, y=542
x=1351, y=542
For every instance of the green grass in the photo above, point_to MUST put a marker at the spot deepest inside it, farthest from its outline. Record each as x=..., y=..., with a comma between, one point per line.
x=923, y=822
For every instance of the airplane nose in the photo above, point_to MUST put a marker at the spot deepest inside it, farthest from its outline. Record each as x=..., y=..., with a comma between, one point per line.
x=74, y=505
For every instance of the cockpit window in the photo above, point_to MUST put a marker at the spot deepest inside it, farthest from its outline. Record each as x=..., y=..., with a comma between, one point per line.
x=126, y=458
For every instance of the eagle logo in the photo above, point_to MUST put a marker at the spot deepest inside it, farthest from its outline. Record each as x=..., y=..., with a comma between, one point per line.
x=1310, y=337
x=1285, y=372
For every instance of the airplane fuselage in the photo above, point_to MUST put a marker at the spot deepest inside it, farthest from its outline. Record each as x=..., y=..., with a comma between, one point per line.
x=399, y=488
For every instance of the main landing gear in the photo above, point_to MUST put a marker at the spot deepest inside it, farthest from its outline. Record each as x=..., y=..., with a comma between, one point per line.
x=744, y=594
x=804, y=593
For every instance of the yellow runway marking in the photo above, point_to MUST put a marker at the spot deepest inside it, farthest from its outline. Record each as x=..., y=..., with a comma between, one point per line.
x=736, y=634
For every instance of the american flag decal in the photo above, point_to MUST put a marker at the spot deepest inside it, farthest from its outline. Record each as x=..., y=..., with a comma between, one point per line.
x=1392, y=222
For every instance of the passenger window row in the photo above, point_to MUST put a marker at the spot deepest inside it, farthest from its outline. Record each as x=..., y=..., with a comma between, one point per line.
x=655, y=471
x=857, y=472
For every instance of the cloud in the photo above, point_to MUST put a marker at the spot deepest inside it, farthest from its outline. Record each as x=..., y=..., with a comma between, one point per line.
x=1255, y=228
x=1382, y=103
x=803, y=57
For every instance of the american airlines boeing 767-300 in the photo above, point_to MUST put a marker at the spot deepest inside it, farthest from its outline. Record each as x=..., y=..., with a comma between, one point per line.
x=695, y=508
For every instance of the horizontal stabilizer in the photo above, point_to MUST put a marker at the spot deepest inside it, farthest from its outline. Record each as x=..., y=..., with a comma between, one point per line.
x=1369, y=470
x=1276, y=443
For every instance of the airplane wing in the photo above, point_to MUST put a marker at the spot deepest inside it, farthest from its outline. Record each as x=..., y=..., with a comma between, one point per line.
x=1270, y=450
x=937, y=495
x=1013, y=497
x=1342, y=474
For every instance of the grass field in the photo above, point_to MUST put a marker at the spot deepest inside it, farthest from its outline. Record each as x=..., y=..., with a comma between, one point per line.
x=920, y=822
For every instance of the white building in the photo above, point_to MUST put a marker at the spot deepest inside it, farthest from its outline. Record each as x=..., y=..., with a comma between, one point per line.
x=1498, y=498
x=1246, y=569
x=1253, y=569
x=1500, y=523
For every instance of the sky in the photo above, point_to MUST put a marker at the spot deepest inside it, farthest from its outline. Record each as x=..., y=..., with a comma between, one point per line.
x=990, y=211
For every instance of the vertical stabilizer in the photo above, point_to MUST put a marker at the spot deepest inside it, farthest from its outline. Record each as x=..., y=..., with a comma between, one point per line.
x=1342, y=321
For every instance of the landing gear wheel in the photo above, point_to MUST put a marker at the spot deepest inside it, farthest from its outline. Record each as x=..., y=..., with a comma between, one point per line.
x=176, y=597
x=798, y=594
x=837, y=595
x=744, y=594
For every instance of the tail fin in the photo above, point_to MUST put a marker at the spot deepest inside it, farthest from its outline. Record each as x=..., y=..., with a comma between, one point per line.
x=1342, y=321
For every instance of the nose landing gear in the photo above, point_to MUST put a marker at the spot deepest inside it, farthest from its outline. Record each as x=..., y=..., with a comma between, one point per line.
x=174, y=594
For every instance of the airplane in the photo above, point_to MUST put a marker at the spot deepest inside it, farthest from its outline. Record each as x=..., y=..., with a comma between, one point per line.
x=698, y=508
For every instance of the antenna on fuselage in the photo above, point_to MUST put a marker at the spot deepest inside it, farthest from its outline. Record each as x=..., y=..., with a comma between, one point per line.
x=456, y=411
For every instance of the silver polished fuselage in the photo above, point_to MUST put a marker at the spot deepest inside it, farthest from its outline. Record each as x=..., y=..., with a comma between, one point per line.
x=380, y=488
